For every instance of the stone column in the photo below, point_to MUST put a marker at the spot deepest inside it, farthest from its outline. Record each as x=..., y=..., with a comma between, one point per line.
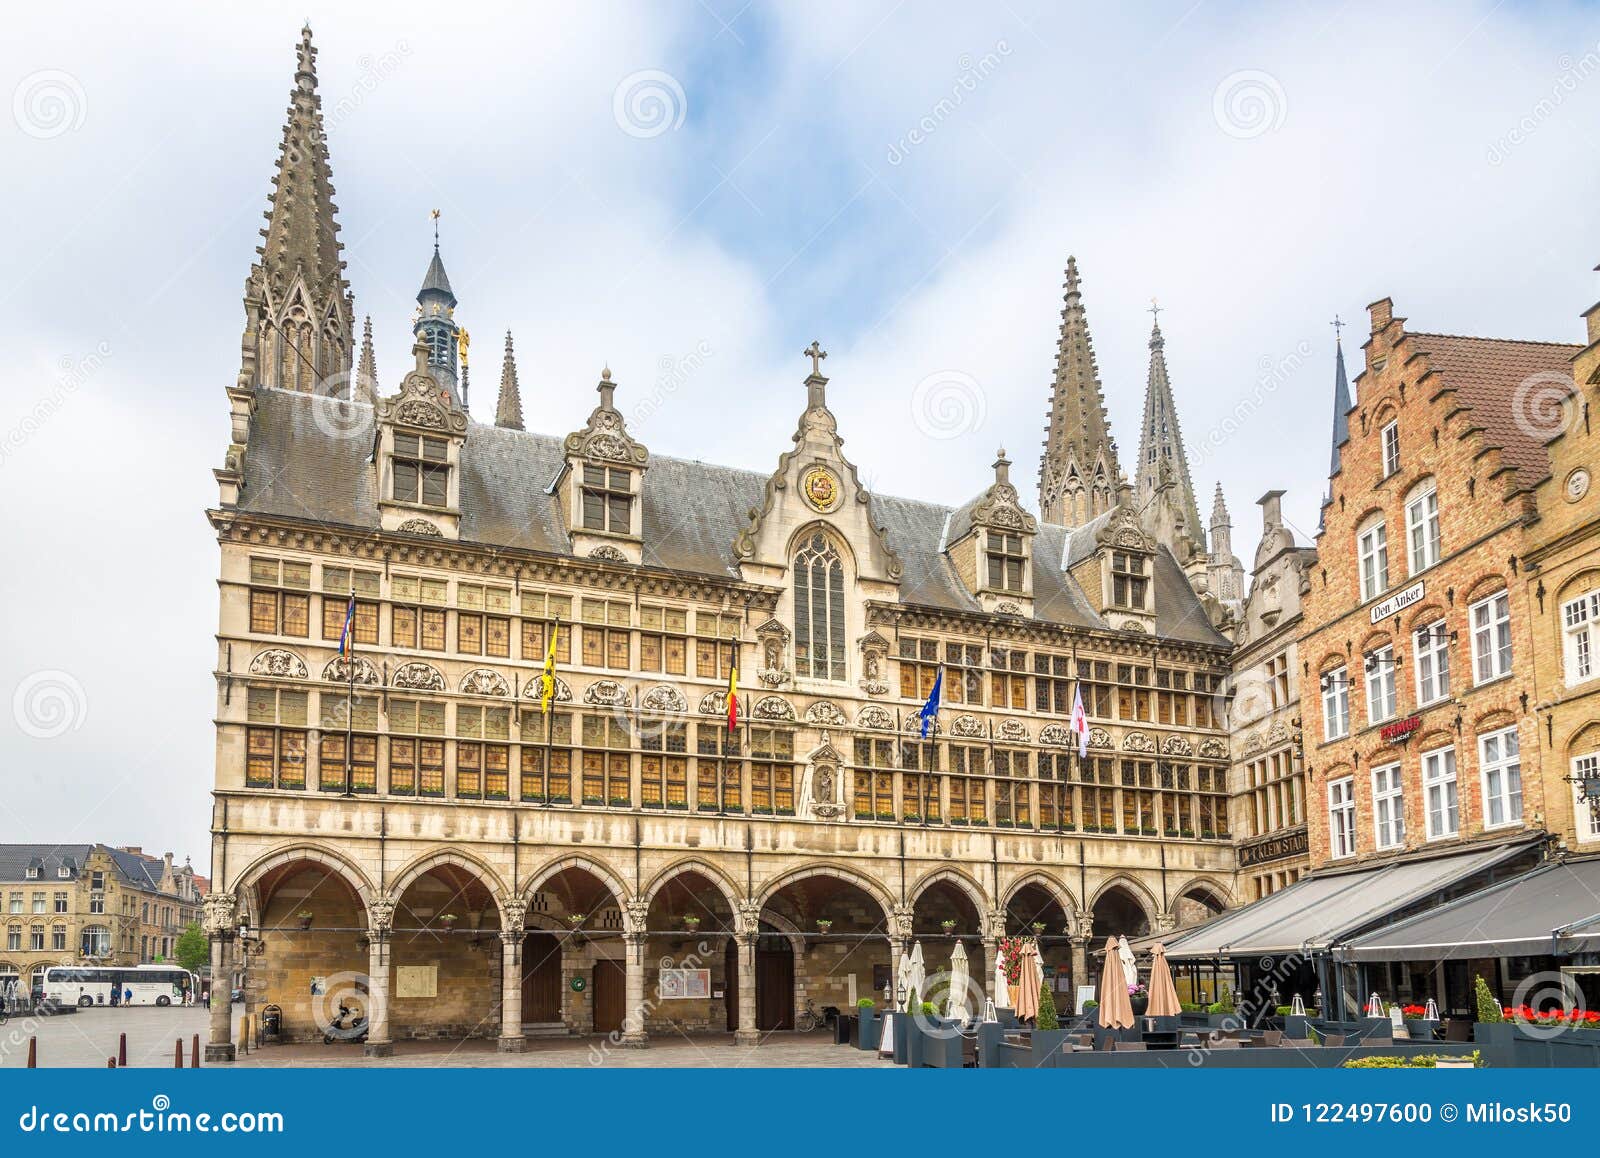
x=633, y=1031
x=747, y=1034
x=511, y=1039
x=218, y=915
x=379, y=1042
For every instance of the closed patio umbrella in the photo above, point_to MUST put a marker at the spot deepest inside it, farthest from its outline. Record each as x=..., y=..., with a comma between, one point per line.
x=1163, y=994
x=1130, y=970
x=917, y=977
x=1116, y=1010
x=1027, y=995
x=903, y=981
x=1002, y=991
x=959, y=980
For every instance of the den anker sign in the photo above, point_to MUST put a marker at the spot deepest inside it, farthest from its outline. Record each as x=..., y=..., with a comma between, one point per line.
x=1397, y=602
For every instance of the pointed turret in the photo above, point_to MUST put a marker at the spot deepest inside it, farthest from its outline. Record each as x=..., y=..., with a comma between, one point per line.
x=366, y=381
x=1078, y=471
x=298, y=307
x=1162, y=462
x=1341, y=406
x=508, y=410
x=435, y=324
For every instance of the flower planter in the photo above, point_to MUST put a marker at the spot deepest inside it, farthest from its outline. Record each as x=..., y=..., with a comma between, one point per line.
x=1494, y=1032
x=1047, y=1045
x=1140, y=1002
x=868, y=1029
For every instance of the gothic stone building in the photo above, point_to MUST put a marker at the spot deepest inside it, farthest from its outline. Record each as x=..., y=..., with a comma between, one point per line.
x=410, y=826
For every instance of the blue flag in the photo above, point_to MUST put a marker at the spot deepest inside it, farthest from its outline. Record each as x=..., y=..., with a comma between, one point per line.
x=930, y=710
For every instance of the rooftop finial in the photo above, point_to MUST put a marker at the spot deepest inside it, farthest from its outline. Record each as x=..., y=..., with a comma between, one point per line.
x=508, y=409
x=816, y=353
x=435, y=216
x=1338, y=326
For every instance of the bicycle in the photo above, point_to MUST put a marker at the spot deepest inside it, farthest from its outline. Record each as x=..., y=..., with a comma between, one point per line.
x=808, y=1019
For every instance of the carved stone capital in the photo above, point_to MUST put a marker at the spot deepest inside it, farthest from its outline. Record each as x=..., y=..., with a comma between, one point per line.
x=635, y=917
x=747, y=921
x=516, y=913
x=900, y=922
x=219, y=915
x=994, y=924
x=380, y=914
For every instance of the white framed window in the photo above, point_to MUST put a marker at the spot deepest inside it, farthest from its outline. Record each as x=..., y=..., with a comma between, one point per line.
x=1422, y=526
x=1388, y=807
x=1442, y=805
x=1335, y=703
x=1580, y=625
x=1342, y=817
x=1491, y=637
x=1380, y=684
x=1432, y=645
x=1373, y=549
x=1585, y=767
x=1390, y=434
x=1500, y=762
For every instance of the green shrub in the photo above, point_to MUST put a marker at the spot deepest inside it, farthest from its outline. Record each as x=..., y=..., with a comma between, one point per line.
x=1421, y=1061
x=929, y=1009
x=1088, y=1005
x=1191, y=1007
x=1223, y=1005
x=1048, y=1019
x=866, y=1003
x=1488, y=1007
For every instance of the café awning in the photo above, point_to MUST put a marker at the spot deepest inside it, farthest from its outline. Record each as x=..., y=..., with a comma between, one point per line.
x=1551, y=911
x=1326, y=908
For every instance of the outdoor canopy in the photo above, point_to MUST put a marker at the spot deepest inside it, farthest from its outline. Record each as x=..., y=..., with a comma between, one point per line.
x=1554, y=910
x=1319, y=911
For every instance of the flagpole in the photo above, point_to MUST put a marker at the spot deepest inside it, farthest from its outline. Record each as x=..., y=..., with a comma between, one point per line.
x=349, y=698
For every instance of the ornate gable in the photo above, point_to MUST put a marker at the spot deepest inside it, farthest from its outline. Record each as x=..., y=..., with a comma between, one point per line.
x=602, y=487
x=420, y=432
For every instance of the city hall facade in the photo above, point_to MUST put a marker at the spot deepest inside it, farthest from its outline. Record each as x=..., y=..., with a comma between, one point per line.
x=415, y=826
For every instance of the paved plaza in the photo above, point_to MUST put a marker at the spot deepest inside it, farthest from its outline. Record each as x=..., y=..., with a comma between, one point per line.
x=88, y=1038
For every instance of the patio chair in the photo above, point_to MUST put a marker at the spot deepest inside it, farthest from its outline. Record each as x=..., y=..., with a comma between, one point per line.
x=1127, y=1046
x=1227, y=1043
x=1333, y=1039
x=1297, y=1043
x=1458, y=1029
x=1271, y=1036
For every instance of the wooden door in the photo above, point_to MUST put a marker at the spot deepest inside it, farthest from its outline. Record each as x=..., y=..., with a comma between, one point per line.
x=541, y=978
x=610, y=995
x=775, y=989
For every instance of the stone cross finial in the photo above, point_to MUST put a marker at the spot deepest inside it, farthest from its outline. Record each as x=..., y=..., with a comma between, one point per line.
x=1338, y=328
x=816, y=353
x=1155, y=311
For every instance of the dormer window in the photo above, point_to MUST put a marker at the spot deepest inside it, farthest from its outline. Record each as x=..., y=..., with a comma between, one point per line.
x=64, y=873
x=1130, y=581
x=1005, y=560
x=33, y=872
x=421, y=470
x=607, y=500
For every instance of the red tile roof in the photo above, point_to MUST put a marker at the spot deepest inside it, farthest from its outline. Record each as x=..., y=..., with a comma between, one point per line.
x=1514, y=391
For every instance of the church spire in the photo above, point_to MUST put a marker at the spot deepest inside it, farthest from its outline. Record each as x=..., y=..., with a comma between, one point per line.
x=1162, y=461
x=1341, y=401
x=366, y=381
x=1078, y=472
x=435, y=324
x=508, y=411
x=299, y=312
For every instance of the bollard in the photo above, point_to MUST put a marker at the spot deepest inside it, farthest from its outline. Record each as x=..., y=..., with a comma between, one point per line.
x=33, y=1053
x=194, y=1053
x=177, y=1054
x=122, y=1050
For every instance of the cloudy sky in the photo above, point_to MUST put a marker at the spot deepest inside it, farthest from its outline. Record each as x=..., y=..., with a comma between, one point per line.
x=691, y=193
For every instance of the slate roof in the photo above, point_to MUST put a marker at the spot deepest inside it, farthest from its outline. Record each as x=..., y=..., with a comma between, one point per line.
x=1489, y=375
x=16, y=859
x=309, y=459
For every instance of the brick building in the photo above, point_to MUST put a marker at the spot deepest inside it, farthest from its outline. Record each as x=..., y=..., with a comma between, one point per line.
x=1418, y=640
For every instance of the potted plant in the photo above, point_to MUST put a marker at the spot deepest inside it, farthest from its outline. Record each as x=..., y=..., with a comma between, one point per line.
x=576, y=919
x=1492, y=1026
x=1038, y=928
x=948, y=926
x=305, y=916
x=448, y=920
x=1139, y=998
x=691, y=923
x=871, y=1024
x=823, y=925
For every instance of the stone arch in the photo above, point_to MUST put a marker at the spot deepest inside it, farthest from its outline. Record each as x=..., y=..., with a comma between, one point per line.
x=1485, y=585
x=1206, y=884
x=601, y=872
x=842, y=544
x=1582, y=740
x=970, y=888
x=866, y=884
x=1140, y=894
x=1059, y=892
x=419, y=867
x=313, y=853
x=718, y=878
x=1578, y=583
x=1423, y=615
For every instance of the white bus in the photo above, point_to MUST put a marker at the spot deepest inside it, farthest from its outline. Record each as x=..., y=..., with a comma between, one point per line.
x=86, y=985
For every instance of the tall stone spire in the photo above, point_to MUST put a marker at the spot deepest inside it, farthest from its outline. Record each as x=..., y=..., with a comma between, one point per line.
x=366, y=381
x=1078, y=472
x=1341, y=406
x=298, y=308
x=508, y=410
x=1162, y=462
x=435, y=324
x=1225, y=574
